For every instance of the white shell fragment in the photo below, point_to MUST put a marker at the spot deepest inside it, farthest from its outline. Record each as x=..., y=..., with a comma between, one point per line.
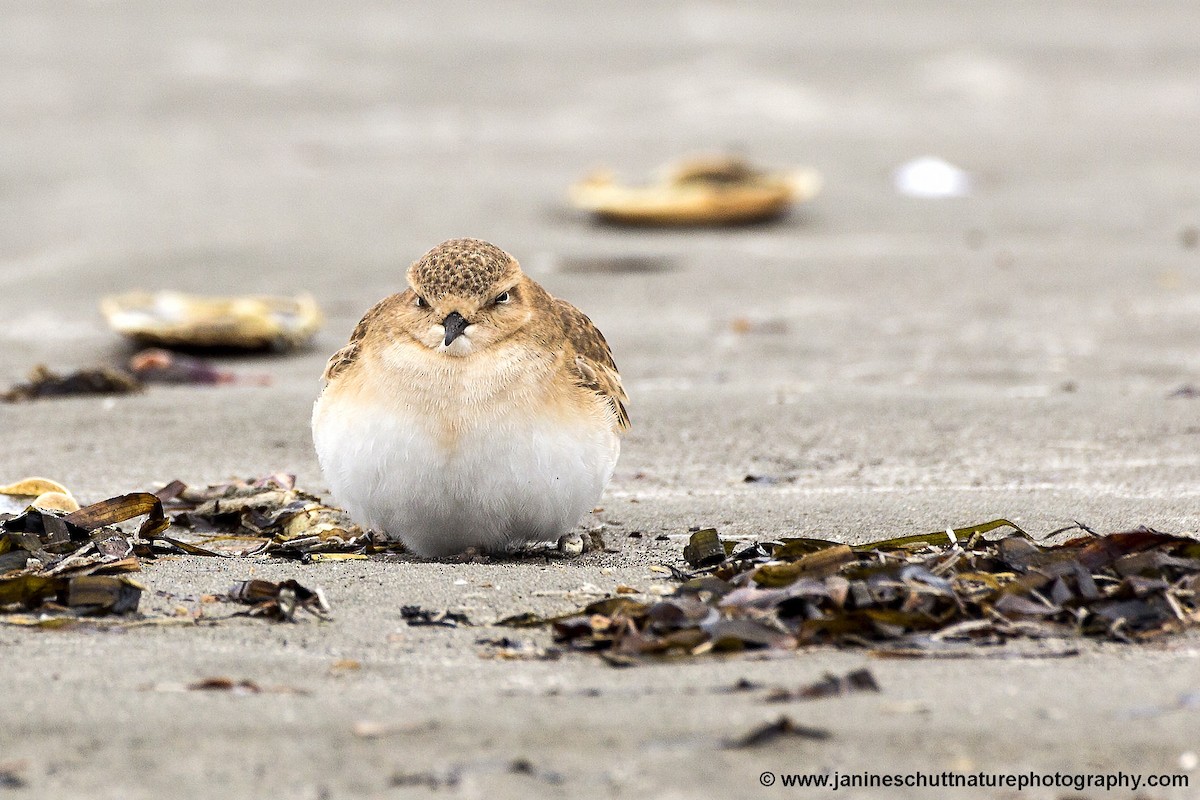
x=932, y=178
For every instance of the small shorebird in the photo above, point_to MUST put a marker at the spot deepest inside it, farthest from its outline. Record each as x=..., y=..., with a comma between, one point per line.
x=472, y=410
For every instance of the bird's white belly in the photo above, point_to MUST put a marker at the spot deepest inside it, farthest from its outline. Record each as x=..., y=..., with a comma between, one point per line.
x=508, y=480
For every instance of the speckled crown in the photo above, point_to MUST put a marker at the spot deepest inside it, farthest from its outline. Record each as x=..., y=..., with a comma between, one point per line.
x=462, y=267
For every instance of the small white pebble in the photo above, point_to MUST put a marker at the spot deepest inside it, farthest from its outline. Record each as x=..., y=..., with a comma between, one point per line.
x=931, y=178
x=460, y=582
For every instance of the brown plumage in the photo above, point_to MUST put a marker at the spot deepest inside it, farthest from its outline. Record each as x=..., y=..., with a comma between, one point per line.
x=460, y=268
x=593, y=359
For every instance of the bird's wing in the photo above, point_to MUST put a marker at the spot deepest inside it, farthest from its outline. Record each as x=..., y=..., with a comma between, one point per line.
x=594, y=366
x=343, y=358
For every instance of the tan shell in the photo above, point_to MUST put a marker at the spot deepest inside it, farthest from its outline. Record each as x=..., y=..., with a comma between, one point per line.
x=174, y=319
x=42, y=493
x=718, y=190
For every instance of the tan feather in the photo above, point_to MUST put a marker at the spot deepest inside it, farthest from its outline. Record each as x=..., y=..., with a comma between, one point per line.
x=594, y=366
x=343, y=358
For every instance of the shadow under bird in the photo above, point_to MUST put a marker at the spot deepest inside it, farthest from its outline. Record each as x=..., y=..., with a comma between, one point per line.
x=472, y=410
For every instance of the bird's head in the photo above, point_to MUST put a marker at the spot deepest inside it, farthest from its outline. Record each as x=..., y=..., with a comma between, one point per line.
x=465, y=295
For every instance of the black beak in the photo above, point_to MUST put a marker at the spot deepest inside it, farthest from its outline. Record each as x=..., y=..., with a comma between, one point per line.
x=454, y=324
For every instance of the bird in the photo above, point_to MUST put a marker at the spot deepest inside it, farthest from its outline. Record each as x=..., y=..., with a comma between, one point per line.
x=471, y=412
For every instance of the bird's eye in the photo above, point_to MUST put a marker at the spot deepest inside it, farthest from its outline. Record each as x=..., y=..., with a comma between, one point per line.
x=421, y=302
x=503, y=297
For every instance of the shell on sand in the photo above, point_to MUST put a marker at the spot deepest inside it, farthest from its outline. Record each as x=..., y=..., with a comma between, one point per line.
x=41, y=493
x=718, y=190
x=175, y=319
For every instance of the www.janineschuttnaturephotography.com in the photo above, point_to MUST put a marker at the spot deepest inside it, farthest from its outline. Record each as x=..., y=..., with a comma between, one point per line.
x=1123, y=781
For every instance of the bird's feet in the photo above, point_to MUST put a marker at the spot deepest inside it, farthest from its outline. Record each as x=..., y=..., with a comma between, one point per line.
x=469, y=556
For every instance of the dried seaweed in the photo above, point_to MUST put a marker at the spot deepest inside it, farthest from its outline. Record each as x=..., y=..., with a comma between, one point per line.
x=88, y=594
x=155, y=365
x=704, y=549
x=73, y=562
x=223, y=684
x=416, y=616
x=265, y=516
x=45, y=383
x=152, y=365
x=279, y=601
x=781, y=728
x=859, y=680
x=964, y=586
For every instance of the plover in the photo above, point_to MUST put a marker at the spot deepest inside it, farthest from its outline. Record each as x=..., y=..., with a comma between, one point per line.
x=471, y=411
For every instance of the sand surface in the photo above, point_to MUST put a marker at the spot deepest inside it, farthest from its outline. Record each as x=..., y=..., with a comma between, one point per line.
x=909, y=364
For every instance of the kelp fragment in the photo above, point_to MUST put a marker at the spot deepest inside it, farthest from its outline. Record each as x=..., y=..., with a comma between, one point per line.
x=223, y=684
x=859, y=680
x=44, y=383
x=528, y=619
x=781, y=728
x=155, y=365
x=148, y=366
x=279, y=601
x=87, y=594
x=118, y=509
x=417, y=616
x=704, y=549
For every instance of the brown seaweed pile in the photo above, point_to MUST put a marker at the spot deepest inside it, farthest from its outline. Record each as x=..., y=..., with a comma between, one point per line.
x=264, y=516
x=924, y=591
x=76, y=563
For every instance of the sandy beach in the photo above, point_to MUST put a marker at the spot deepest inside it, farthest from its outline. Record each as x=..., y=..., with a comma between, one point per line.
x=894, y=364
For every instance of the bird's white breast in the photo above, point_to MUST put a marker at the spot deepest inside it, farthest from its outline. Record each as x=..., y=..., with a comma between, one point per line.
x=459, y=460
